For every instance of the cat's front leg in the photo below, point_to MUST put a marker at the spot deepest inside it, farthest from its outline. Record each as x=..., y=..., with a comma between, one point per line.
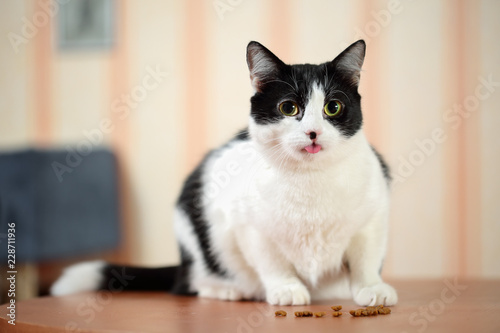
x=365, y=256
x=278, y=276
x=287, y=291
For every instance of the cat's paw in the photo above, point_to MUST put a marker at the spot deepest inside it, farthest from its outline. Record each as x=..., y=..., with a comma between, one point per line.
x=289, y=294
x=222, y=293
x=380, y=293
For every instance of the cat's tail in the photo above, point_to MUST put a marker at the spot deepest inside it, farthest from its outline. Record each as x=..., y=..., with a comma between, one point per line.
x=99, y=275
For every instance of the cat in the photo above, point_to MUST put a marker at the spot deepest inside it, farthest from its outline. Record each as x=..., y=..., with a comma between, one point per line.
x=292, y=209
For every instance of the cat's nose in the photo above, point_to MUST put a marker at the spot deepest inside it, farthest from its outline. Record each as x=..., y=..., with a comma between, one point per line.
x=313, y=135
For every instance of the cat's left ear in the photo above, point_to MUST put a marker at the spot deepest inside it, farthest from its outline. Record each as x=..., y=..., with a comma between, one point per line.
x=263, y=65
x=351, y=60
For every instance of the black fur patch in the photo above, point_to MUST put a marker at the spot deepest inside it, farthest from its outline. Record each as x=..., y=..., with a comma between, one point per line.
x=182, y=286
x=385, y=168
x=118, y=278
x=190, y=201
x=241, y=135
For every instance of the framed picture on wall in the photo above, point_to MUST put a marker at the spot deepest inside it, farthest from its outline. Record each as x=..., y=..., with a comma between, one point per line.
x=85, y=24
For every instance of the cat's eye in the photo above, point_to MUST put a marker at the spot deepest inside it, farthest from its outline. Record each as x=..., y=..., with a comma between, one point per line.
x=289, y=109
x=333, y=108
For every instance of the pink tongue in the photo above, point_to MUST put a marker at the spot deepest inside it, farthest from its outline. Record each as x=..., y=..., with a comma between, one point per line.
x=313, y=149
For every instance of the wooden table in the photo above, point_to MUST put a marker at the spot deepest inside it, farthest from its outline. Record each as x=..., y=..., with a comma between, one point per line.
x=444, y=305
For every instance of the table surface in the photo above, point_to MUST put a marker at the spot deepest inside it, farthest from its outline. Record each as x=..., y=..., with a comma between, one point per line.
x=447, y=305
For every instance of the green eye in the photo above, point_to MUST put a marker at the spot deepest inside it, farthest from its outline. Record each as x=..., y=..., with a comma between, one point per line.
x=289, y=109
x=333, y=108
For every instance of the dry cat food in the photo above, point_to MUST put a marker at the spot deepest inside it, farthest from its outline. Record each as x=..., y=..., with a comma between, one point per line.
x=358, y=313
x=363, y=312
x=303, y=314
x=370, y=311
x=382, y=310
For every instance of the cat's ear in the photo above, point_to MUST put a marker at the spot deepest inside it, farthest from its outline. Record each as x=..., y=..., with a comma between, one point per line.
x=351, y=60
x=263, y=64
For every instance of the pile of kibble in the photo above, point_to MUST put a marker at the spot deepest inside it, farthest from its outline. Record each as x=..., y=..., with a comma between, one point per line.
x=364, y=312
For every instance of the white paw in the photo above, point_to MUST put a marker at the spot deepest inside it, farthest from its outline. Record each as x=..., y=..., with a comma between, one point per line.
x=380, y=293
x=223, y=293
x=289, y=294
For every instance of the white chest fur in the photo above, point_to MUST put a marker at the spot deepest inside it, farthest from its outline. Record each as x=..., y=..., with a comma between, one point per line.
x=310, y=215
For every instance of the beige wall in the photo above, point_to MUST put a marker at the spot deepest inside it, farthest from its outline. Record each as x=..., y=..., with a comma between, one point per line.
x=422, y=59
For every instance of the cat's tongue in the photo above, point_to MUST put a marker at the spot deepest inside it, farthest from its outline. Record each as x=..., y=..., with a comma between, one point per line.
x=313, y=149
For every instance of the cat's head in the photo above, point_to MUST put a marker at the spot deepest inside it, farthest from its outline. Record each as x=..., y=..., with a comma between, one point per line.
x=304, y=112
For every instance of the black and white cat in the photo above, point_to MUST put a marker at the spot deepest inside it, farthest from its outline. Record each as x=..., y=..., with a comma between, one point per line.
x=293, y=209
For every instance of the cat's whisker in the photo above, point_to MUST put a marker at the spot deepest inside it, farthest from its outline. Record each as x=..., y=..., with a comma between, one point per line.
x=268, y=153
x=326, y=77
x=341, y=92
x=294, y=79
x=281, y=81
x=330, y=80
x=284, y=158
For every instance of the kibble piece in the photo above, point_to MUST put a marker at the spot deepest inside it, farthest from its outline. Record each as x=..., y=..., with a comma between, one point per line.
x=337, y=314
x=280, y=313
x=337, y=307
x=384, y=311
x=357, y=313
x=370, y=311
x=319, y=314
x=303, y=314
x=307, y=314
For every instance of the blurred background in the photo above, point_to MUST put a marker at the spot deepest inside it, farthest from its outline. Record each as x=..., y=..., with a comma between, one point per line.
x=116, y=101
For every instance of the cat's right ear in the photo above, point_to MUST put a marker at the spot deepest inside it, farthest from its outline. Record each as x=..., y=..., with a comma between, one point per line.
x=263, y=65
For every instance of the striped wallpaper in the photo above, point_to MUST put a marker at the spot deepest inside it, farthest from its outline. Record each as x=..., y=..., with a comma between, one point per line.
x=430, y=100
